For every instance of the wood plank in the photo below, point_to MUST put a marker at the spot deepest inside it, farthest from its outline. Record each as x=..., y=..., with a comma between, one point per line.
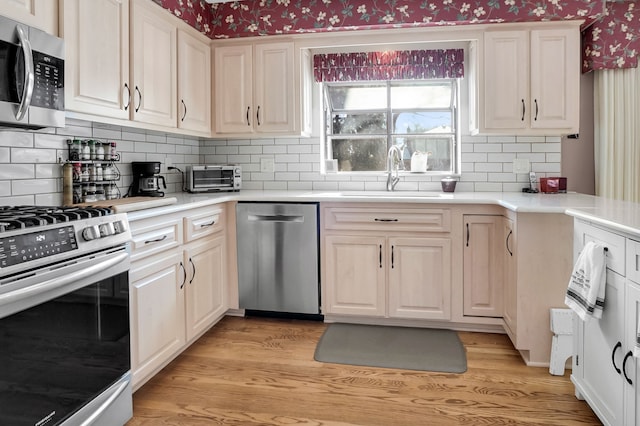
x=257, y=371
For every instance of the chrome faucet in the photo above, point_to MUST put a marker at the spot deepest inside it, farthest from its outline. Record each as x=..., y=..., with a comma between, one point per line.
x=393, y=165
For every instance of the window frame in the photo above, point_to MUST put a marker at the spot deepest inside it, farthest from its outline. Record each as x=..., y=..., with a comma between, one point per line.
x=328, y=135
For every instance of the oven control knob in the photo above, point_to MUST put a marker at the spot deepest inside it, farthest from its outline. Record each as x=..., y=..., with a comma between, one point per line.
x=91, y=233
x=107, y=229
x=119, y=226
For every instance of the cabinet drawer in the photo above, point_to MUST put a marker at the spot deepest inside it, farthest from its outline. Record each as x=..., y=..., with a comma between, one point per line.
x=614, y=243
x=392, y=219
x=203, y=222
x=633, y=260
x=151, y=236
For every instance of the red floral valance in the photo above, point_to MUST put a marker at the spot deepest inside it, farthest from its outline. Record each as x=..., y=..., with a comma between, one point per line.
x=391, y=65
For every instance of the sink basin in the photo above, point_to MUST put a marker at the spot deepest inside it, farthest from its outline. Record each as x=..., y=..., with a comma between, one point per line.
x=390, y=194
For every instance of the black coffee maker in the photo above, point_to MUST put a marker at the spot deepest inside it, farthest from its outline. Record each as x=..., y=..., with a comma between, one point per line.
x=146, y=179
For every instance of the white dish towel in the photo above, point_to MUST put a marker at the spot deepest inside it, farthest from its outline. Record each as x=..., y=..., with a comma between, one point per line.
x=585, y=294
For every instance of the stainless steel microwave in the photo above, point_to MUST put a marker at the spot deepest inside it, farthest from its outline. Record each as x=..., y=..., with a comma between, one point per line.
x=31, y=77
x=213, y=178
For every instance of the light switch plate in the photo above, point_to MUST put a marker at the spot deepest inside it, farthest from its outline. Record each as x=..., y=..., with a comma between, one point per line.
x=521, y=165
x=267, y=165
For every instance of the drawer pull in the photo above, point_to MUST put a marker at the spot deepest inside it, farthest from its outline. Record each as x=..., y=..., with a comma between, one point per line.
x=157, y=240
x=385, y=220
x=206, y=225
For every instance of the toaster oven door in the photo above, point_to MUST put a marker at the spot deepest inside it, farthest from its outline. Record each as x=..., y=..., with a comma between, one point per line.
x=212, y=178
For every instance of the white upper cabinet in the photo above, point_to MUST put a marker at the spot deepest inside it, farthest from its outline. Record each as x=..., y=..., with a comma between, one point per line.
x=97, y=67
x=530, y=82
x=41, y=14
x=134, y=61
x=194, y=83
x=153, y=65
x=256, y=88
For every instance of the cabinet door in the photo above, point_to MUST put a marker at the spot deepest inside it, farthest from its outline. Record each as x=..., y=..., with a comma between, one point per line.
x=420, y=278
x=274, y=88
x=205, y=261
x=506, y=79
x=555, y=78
x=157, y=312
x=194, y=83
x=234, y=89
x=482, y=269
x=97, y=66
x=153, y=64
x=631, y=370
x=355, y=269
x=41, y=14
x=510, y=285
x=601, y=354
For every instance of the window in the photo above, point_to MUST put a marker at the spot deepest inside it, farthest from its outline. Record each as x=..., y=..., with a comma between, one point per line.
x=364, y=119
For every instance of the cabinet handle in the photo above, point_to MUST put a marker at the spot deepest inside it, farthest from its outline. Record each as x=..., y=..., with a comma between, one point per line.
x=139, y=99
x=258, y=115
x=509, y=236
x=206, y=225
x=385, y=220
x=392, y=258
x=535, y=101
x=380, y=255
x=126, y=86
x=193, y=265
x=467, y=235
x=624, y=367
x=157, y=240
x=613, y=357
x=185, y=109
x=184, y=275
x=524, y=109
x=248, y=122
x=637, y=266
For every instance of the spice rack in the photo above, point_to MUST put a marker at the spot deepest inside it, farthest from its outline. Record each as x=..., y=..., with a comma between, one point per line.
x=95, y=173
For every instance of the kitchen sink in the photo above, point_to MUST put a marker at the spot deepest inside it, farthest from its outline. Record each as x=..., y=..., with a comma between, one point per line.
x=381, y=194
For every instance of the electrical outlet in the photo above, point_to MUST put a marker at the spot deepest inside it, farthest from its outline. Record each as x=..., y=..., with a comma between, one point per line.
x=168, y=162
x=267, y=165
x=521, y=165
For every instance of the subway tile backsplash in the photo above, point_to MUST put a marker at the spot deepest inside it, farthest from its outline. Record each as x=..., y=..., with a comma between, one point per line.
x=31, y=161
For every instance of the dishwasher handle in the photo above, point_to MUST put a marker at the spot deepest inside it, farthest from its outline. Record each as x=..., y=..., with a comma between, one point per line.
x=274, y=218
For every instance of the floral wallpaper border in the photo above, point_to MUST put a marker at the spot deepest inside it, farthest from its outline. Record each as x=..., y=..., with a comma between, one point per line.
x=611, y=33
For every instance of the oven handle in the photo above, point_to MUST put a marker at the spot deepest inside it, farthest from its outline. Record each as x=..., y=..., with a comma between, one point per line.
x=92, y=418
x=27, y=92
x=59, y=282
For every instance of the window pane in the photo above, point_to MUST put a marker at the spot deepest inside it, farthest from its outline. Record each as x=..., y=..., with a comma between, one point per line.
x=423, y=122
x=409, y=96
x=354, y=97
x=440, y=151
x=359, y=124
x=360, y=155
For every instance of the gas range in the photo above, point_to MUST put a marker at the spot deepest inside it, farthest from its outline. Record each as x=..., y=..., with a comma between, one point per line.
x=33, y=236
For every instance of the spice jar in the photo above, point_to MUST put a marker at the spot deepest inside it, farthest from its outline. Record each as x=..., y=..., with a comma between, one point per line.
x=85, y=151
x=99, y=151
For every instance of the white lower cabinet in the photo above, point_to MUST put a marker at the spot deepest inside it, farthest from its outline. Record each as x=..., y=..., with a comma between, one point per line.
x=393, y=263
x=205, y=285
x=177, y=284
x=605, y=372
x=157, y=312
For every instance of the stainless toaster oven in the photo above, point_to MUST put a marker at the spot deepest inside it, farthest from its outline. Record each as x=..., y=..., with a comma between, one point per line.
x=213, y=178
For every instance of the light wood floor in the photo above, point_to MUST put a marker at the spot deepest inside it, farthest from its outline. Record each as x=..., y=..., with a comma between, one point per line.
x=256, y=371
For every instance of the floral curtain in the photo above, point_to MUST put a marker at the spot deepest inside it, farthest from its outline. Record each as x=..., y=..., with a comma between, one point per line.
x=390, y=65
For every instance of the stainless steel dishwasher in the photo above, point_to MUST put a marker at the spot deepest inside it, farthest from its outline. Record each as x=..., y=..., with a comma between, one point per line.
x=278, y=257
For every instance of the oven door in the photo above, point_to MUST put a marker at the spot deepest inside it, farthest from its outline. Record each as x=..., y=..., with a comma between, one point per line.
x=64, y=333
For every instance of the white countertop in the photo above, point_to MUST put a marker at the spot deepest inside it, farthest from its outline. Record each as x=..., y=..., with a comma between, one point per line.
x=622, y=216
